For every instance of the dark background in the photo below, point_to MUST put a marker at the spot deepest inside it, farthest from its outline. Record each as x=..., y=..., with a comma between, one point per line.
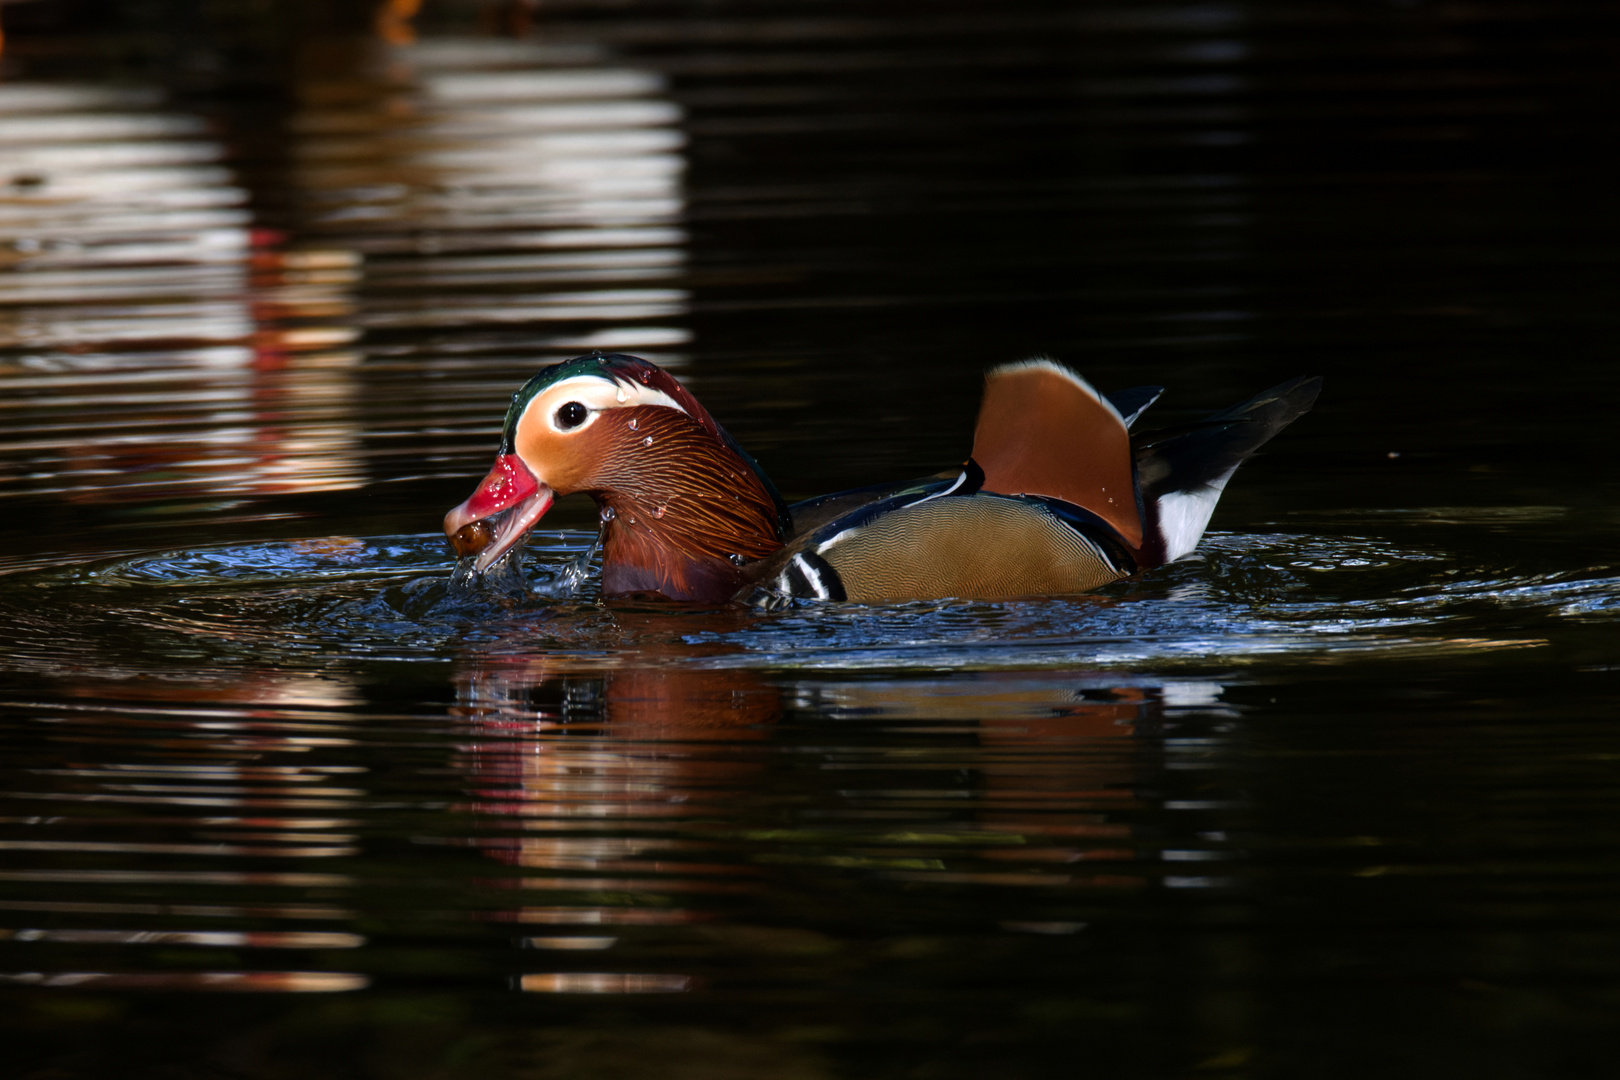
x=1413, y=199
x=1407, y=760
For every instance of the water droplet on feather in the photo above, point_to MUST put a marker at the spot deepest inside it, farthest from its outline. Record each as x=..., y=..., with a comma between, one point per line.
x=647, y=441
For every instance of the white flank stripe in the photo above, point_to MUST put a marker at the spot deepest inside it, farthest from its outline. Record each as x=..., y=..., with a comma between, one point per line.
x=837, y=539
x=811, y=576
x=960, y=480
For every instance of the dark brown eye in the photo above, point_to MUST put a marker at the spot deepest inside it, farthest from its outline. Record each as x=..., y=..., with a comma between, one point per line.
x=571, y=415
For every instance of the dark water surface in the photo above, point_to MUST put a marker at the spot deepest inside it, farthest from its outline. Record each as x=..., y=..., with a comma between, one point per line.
x=1337, y=796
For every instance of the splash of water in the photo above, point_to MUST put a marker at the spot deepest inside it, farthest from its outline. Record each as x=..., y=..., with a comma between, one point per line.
x=506, y=577
x=574, y=573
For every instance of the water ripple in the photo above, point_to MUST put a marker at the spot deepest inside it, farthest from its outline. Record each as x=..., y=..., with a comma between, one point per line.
x=303, y=604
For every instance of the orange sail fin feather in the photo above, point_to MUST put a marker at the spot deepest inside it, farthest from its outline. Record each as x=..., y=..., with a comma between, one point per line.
x=1056, y=498
x=1043, y=430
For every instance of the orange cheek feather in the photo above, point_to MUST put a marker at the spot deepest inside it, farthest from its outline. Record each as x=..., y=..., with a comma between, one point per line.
x=561, y=462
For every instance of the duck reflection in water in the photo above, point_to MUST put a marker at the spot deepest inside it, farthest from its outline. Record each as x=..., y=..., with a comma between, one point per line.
x=1055, y=767
x=603, y=763
x=622, y=772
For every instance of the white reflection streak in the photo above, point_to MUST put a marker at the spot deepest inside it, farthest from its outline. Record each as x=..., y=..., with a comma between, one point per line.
x=223, y=939
x=320, y=982
x=471, y=152
x=484, y=86
x=126, y=247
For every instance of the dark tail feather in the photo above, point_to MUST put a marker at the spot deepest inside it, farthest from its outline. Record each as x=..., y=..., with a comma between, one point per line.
x=1130, y=404
x=1182, y=471
x=1177, y=459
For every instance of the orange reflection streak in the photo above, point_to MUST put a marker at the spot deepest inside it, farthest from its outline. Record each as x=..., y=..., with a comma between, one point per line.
x=606, y=982
x=286, y=982
x=393, y=21
x=247, y=695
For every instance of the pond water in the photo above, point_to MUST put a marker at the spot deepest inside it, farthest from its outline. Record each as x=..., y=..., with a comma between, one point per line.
x=1335, y=795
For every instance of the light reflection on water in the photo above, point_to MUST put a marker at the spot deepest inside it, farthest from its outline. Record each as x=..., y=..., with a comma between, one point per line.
x=674, y=774
x=140, y=303
x=638, y=800
x=218, y=358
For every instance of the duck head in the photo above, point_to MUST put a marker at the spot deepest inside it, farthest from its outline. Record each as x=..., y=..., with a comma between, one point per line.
x=683, y=508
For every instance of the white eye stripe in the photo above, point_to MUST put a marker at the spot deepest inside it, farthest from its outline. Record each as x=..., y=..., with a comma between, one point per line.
x=597, y=395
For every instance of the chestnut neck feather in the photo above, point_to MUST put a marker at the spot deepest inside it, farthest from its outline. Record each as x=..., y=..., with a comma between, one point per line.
x=682, y=502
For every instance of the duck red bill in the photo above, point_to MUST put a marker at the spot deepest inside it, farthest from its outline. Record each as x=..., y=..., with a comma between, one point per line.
x=510, y=486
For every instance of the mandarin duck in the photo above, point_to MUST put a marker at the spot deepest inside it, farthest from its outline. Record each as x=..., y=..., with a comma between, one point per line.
x=1056, y=497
